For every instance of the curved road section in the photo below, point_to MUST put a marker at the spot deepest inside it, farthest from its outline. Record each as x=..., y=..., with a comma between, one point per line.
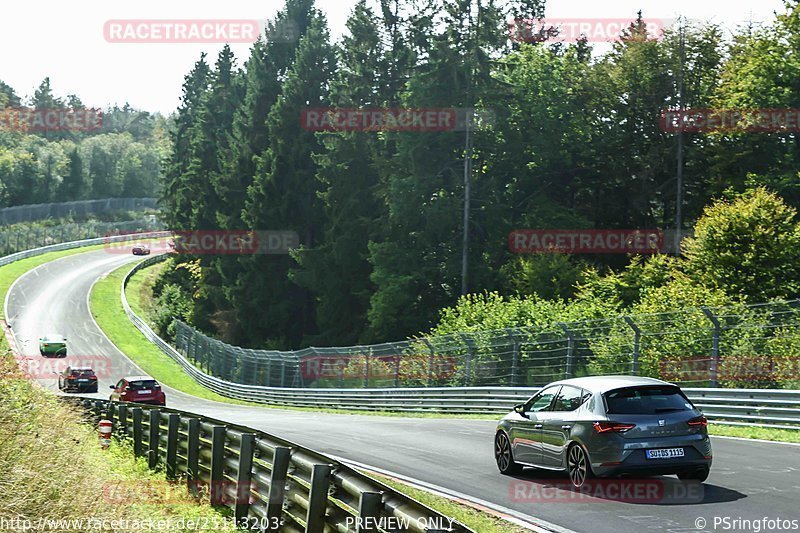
x=749, y=482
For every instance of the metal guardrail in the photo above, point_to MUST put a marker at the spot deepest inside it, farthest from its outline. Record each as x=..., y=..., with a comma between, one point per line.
x=78, y=244
x=269, y=482
x=763, y=407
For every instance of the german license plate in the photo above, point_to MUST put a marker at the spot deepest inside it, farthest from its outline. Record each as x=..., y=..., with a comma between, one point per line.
x=83, y=380
x=664, y=453
x=145, y=391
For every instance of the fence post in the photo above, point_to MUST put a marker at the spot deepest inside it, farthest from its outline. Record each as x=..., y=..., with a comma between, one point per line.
x=137, y=430
x=318, y=498
x=369, y=507
x=193, y=453
x=277, y=483
x=366, y=367
x=637, y=337
x=514, y=356
x=570, y=349
x=714, y=345
x=468, y=362
x=244, y=476
x=218, y=434
x=430, y=360
x=152, y=448
x=396, y=364
x=173, y=426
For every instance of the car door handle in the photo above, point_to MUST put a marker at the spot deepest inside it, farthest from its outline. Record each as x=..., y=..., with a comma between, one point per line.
x=566, y=426
x=537, y=426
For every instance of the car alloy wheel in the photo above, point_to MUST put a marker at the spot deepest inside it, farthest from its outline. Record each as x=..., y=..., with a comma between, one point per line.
x=578, y=466
x=503, y=455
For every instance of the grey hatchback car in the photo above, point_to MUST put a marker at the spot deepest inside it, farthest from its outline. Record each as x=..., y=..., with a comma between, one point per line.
x=605, y=426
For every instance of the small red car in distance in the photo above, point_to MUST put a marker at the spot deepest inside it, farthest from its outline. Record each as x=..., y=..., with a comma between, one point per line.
x=139, y=389
x=141, y=249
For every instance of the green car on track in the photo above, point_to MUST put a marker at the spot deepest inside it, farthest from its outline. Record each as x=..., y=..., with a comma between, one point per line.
x=53, y=344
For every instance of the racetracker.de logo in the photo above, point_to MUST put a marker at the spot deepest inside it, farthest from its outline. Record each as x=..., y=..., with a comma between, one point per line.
x=598, y=30
x=181, y=31
x=330, y=119
x=585, y=241
x=768, y=120
x=654, y=491
x=206, y=242
x=26, y=119
x=36, y=367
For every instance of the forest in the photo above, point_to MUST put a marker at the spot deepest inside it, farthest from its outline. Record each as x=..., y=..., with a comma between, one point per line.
x=576, y=140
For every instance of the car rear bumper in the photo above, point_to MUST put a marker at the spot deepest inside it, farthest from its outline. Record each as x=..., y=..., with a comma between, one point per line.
x=629, y=457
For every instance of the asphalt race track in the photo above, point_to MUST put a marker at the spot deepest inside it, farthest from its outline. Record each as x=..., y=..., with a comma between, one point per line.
x=749, y=480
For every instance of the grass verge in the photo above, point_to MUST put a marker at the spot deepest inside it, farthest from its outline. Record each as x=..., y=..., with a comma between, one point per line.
x=53, y=469
x=747, y=432
x=108, y=312
x=473, y=518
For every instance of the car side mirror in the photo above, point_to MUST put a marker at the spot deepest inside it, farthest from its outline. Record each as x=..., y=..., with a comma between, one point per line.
x=111, y=387
x=520, y=410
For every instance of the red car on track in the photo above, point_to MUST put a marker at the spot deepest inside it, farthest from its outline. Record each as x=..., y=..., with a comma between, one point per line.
x=139, y=389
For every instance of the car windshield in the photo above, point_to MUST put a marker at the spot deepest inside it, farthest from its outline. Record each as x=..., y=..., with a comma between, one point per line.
x=646, y=400
x=143, y=384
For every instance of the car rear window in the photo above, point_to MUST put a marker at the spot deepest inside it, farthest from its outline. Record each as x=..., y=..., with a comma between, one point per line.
x=143, y=384
x=84, y=373
x=647, y=400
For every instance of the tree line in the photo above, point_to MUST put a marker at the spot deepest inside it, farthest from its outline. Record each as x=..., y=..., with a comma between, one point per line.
x=576, y=142
x=119, y=155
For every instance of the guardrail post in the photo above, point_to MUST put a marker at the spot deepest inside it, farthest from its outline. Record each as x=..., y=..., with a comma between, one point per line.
x=244, y=477
x=173, y=426
x=122, y=427
x=155, y=426
x=193, y=453
x=369, y=507
x=514, y=356
x=637, y=337
x=468, y=362
x=137, y=430
x=277, y=483
x=318, y=498
x=570, y=350
x=218, y=434
x=714, y=345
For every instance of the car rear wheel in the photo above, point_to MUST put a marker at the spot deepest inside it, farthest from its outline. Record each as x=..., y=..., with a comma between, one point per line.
x=701, y=474
x=504, y=456
x=578, y=466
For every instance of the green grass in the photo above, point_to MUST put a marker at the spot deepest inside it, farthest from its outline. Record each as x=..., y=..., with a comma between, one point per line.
x=477, y=520
x=9, y=273
x=107, y=310
x=747, y=432
x=53, y=467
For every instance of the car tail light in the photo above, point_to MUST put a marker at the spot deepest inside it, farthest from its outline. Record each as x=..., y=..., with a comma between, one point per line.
x=93, y=377
x=698, y=421
x=615, y=427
